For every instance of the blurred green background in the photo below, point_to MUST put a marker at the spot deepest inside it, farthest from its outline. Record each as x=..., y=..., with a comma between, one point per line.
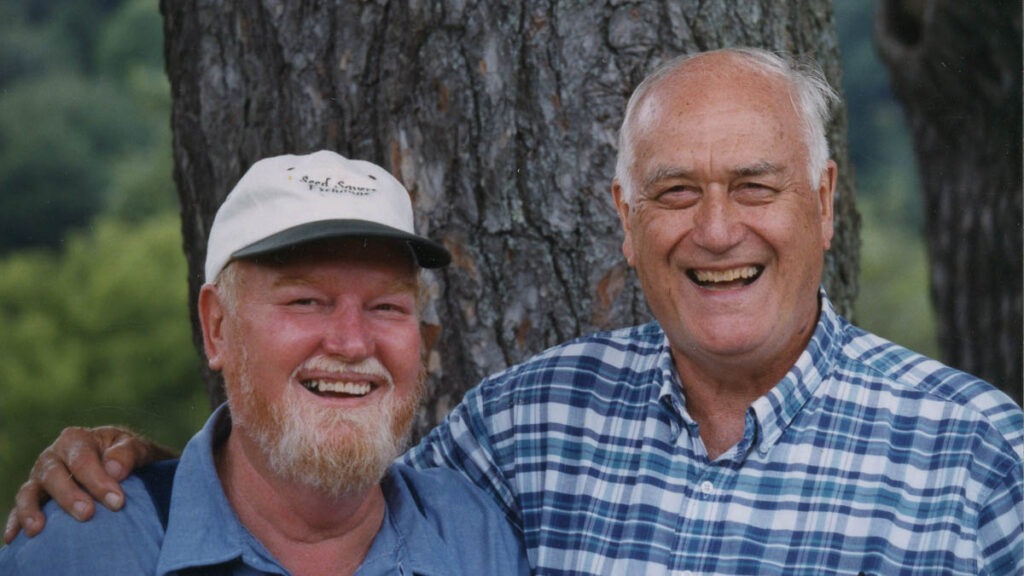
x=92, y=278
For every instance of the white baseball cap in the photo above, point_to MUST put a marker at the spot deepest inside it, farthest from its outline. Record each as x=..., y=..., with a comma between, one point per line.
x=288, y=200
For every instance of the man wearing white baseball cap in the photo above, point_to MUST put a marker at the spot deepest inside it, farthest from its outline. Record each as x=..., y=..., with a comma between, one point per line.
x=311, y=313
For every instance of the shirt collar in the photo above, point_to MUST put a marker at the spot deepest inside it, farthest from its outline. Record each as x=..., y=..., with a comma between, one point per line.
x=405, y=540
x=202, y=528
x=777, y=409
x=670, y=393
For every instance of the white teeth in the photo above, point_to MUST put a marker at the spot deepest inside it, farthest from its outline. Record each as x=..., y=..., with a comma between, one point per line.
x=351, y=388
x=726, y=275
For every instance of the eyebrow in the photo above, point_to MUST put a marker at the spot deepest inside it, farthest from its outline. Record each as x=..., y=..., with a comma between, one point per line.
x=761, y=168
x=666, y=173
x=757, y=169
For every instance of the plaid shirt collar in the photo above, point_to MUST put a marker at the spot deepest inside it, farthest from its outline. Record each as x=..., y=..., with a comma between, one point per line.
x=776, y=410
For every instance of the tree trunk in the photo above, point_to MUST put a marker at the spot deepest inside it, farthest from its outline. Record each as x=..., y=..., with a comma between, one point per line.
x=500, y=118
x=956, y=67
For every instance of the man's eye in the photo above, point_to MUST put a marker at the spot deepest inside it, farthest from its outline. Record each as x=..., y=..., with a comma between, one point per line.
x=390, y=307
x=754, y=192
x=679, y=196
x=302, y=302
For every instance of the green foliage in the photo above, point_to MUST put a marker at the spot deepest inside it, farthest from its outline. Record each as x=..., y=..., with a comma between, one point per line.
x=142, y=186
x=96, y=326
x=95, y=335
x=27, y=53
x=127, y=42
x=76, y=20
x=58, y=137
x=65, y=131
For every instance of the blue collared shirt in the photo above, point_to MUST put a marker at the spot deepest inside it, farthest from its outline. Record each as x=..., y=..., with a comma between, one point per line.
x=865, y=459
x=436, y=524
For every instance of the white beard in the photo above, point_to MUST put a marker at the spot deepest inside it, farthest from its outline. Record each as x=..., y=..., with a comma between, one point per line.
x=332, y=450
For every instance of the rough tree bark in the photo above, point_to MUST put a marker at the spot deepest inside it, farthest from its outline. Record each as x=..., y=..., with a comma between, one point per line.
x=501, y=119
x=956, y=67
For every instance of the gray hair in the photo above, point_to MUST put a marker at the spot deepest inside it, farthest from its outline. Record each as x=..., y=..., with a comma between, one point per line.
x=229, y=284
x=813, y=98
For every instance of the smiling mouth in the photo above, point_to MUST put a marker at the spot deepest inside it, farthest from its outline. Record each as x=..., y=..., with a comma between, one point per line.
x=335, y=389
x=725, y=279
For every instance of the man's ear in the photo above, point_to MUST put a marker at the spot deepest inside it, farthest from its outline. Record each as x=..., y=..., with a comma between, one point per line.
x=211, y=317
x=826, y=199
x=622, y=207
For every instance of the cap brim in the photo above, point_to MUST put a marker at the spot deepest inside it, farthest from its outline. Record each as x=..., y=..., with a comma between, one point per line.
x=429, y=254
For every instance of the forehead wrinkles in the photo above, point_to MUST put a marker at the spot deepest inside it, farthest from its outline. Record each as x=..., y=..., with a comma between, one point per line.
x=692, y=121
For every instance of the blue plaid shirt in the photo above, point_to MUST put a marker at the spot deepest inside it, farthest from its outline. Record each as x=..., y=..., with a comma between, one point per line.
x=865, y=459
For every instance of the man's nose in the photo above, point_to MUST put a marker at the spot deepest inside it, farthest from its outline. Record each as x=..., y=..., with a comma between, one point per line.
x=716, y=223
x=348, y=334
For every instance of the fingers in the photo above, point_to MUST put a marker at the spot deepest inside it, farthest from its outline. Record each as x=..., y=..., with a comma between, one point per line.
x=27, y=513
x=74, y=457
x=100, y=458
x=122, y=451
x=126, y=451
x=14, y=525
x=71, y=472
x=11, y=528
x=80, y=465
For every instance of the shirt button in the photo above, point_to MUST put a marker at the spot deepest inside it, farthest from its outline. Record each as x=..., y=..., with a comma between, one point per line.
x=707, y=488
